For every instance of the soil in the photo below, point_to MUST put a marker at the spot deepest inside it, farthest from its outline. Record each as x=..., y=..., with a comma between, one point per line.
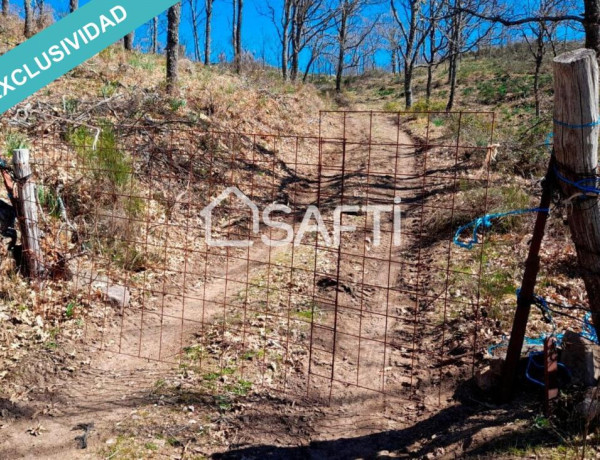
x=362, y=378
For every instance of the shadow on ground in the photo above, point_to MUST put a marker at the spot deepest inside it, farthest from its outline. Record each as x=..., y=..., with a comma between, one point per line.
x=470, y=428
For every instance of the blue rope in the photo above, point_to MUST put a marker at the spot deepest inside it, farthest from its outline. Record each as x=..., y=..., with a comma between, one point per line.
x=486, y=222
x=584, y=126
x=580, y=185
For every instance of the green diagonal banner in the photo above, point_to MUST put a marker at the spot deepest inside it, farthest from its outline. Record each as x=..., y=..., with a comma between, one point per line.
x=73, y=40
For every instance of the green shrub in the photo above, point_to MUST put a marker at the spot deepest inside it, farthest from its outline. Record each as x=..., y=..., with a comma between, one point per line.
x=393, y=106
x=110, y=177
x=109, y=89
x=140, y=61
x=106, y=160
x=176, y=104
x=422, y=106
x=14, y=141
x=48, y=201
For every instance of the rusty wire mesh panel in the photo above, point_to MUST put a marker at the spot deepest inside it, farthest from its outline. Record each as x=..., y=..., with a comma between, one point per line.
x=395, y=321
x=126, y=213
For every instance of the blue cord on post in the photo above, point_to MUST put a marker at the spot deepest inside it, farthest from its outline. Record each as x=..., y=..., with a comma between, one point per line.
x=593, y=124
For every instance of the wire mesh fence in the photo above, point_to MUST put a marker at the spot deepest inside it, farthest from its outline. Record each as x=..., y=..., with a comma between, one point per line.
x=319, y=265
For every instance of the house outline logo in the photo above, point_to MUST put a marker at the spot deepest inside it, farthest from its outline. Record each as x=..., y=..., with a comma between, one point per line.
x=207, y=212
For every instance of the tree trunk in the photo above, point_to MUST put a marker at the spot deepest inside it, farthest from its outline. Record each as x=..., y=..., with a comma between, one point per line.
x=5, y=7
x=408, y=75
x=174, y=18
x=155, y=35
x=128, y=41
x=309, y=65
x=536, y=85
x=452, y=73
x=234, y=27
x=339, y=74
x=195, y=30
x=74, y=4
x=28, y=19
x=207, y=34
x=238, y=37
x=285, y=37
x=455, y=49
x=576, y=150
x=429, y=83
x=591, y=24
x=297, y=27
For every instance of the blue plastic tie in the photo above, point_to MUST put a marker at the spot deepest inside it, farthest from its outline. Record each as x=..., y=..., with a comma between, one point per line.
x=486, y=222
x=584, y=126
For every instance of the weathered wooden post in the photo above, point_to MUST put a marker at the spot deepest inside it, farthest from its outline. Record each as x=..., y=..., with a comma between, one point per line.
x=576, y=129
x=26, y=201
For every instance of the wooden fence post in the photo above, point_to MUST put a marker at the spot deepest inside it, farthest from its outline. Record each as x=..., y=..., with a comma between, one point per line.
x=576, y=129
x=27, y=213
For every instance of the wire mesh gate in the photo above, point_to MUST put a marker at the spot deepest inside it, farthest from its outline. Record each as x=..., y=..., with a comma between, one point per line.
x=387, y=308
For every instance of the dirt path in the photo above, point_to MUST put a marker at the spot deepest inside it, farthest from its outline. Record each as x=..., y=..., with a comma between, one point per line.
x=366, y=344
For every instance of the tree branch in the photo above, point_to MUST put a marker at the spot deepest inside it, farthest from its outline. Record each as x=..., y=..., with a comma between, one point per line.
x=518, y=22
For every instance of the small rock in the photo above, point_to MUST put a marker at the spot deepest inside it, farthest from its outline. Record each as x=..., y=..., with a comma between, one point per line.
x=489, y=377
x=117, y=295
x=582, y=358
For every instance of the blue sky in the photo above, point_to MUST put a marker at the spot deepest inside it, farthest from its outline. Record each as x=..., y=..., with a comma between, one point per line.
x=259, y=34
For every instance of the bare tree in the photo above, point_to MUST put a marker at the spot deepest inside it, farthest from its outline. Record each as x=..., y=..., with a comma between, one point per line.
x=236, y=32
x=174, y=19
x=538, y=37
x=73, y=5
x=389, y=33
x=128, y=41
x=207, y=32
x=434, y=46
x=318, y=46
x=590, y=19
x=5, y=7
x=414, y=29
x=352, y=30
x=282, y=25
x=238, y=36
x=28, y=19
x=298, y=23
x=310, y=18
x=195, y=33
x=465, y=33
x=456, y=35
x=233, y=25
